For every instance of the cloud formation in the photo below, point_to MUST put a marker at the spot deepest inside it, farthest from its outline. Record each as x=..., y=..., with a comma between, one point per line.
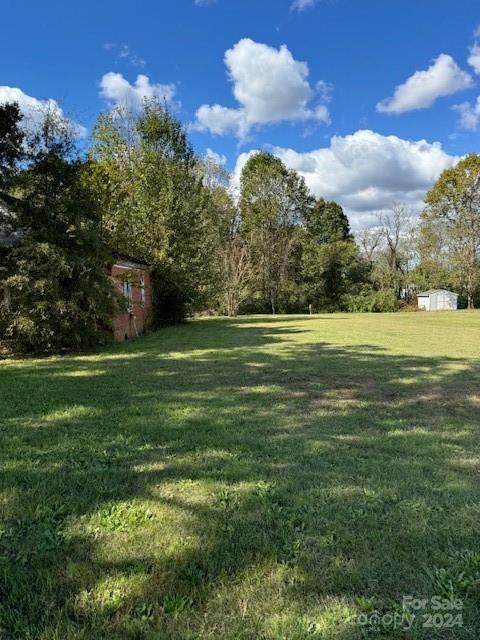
x=469, y=114
x=124, y=53
x=117, y=90
x=366, y=172
x=474, y=57
x=301, y=5
x=269, y=85
x=443, y=78
x=217, y=158
x=34, y=108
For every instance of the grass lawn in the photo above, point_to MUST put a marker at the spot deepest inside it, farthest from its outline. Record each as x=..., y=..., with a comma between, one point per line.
x=267, y=478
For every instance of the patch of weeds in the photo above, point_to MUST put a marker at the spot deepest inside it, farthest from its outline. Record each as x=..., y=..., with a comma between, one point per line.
x=186, y=484
x=366, y=605
x=263, y=489
x=118, y=592
x=174, y=605
x=139, y=622
x=139, y=566
x=302, y=628
x=34, y=539
x=461, y=579
x=228, y=499
x=144, y=611
x=194, y=574
x=121, y=516
x=326, y=540
x=104, y=601
x=275, y=512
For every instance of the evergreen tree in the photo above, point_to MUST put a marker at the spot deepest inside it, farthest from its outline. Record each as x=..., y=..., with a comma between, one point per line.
x=57, y=292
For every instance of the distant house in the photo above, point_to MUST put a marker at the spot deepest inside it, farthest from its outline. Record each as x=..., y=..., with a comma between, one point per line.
x=437, y=300
x=133, y=281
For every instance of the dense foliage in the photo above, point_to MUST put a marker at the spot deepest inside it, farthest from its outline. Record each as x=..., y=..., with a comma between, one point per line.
x=11, y=139
x=56, y=292
x=273, y=205
x=148, y=186
x=270, y=247
x=450, y=234
x=331, y=265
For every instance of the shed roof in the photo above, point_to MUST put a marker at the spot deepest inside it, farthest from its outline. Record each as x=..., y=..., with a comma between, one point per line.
x=424, y=294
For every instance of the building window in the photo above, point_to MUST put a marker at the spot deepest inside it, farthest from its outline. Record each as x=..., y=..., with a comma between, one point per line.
x=128, y=293
x=142, y=292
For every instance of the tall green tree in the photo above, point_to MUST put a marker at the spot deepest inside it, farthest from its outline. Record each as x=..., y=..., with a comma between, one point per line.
x=331, y=265
x=453, y=210
x=434, y=268
x=273, y=203
x=150, y=190
x=57, y=294
x=235, y=269
x=327, y=222
x=11, y=142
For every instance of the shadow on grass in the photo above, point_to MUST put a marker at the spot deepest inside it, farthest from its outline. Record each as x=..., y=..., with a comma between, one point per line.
x=222, y=479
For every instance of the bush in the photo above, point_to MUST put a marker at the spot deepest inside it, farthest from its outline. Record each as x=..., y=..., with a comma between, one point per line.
x=54, y=300
x=410, y=306
x=371, y=301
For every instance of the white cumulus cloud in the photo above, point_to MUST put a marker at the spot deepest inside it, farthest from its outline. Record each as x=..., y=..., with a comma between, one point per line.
x=443, y=78
x=474, y=57
x=117, y=90
x=366, y=172
x=469, y=114
x=217, y=158
x=269, y=85
x=34, y=108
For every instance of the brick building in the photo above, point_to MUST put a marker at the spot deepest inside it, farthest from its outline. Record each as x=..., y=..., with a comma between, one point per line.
x=134, y=284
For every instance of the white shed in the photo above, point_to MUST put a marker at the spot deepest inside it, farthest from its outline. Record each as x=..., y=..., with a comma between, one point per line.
x=437, y=300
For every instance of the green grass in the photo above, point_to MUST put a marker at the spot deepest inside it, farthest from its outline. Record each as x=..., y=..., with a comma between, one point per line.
x=239, y=479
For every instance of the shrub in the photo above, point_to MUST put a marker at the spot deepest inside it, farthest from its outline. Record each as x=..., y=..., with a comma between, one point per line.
x=56, y=300
x=370, y=300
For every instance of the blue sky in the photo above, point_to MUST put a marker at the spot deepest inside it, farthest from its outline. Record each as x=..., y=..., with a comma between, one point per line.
x=344, y=91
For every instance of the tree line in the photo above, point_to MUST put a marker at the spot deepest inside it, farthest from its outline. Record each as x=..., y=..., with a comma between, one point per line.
x=140, y=189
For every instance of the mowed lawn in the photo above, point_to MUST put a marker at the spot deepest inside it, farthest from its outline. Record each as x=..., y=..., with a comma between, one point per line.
x=263, y=477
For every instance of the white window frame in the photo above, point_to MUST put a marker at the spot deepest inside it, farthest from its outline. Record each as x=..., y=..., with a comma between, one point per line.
x=142, y=291
x=128, y=293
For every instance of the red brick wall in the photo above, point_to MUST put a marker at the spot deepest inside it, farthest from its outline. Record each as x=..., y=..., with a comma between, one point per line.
x=130, y=324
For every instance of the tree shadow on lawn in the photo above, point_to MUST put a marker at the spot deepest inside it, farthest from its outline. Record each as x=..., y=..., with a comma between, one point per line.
x=222, y=480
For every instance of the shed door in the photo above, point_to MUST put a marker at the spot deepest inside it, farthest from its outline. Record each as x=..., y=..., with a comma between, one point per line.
x=434, y=302
x=423, y=302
